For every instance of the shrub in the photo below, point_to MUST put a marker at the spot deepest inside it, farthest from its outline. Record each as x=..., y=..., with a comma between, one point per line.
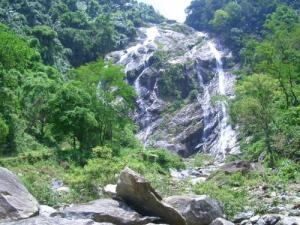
x=232, y=200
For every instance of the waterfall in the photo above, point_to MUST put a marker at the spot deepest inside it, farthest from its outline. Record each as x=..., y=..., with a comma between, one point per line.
x=180, y=129
x=204, y=101
x=129, y=60
x=227, y=141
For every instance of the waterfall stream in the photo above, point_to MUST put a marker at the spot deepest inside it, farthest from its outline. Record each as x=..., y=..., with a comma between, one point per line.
x=128, y=59
x=227, y=141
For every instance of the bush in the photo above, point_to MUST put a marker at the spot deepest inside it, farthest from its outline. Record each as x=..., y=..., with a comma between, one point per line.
x=102, y=152
x=4, y=130
x=232, y=200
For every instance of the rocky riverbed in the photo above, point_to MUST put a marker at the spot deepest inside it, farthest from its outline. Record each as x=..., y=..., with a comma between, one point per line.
x=134, y=202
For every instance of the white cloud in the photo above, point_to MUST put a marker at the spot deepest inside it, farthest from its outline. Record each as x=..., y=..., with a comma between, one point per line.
x=172, y=9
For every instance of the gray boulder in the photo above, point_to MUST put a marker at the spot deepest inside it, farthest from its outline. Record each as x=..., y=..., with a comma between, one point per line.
x=221, y=221
x=242, y=216
x=138, y=192
x=197, y=210
x=15, y=201
x=41, y=220
x=106, y=210
x=289, y=221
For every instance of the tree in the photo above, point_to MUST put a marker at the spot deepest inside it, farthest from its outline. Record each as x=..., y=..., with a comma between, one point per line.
x=15, y=53
x=4, y=131
x=254, y=108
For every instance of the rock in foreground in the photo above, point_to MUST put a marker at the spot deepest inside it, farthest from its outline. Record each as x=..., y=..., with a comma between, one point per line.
x=106, y=210
x=137, y=192
x=15, y=201
x=221, y=221
x=197, y=210
x=41, y=220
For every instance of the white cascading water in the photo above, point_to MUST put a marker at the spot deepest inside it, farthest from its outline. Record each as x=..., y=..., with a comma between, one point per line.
x=204, y=101
x=151, y=34
x=227, y=141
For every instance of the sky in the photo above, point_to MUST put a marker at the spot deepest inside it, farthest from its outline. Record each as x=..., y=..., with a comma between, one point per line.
x=172, y=9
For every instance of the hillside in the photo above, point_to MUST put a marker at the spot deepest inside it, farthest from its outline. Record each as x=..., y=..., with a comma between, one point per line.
x=197, y=123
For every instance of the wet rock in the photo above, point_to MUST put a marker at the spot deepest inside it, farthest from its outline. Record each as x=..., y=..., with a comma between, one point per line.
x=197, y=210
x=294, y=213
x=106, y=210
x=138, y=193
x=15, y=201
x=221, y=221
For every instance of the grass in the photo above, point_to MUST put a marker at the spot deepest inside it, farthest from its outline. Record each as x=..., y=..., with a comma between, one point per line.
x=38, y=169
x=238, y=191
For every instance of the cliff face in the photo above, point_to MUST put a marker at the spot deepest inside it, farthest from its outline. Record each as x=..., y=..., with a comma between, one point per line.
x=178, y=74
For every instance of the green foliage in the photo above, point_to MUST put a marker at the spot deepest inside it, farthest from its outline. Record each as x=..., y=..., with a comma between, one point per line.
x=201, y=160
x=4, y=131
x=233, y=21
x=102, y=152
x=233, y=200
x=170, y=84
x=14, y=51
x=267, y=106
x=71, y=32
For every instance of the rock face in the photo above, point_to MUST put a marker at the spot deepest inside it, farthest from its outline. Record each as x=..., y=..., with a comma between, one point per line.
x=138, y=193
x=41, y=220
x=197, y=210
x=106, y=210
x=15, y=201
x=174, y=109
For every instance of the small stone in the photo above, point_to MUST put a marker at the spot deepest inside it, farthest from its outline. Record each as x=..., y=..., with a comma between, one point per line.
x=254, y=219
x=273, y=194
x=246, y=222
x=271, y=219
x=295, y=212
x=63, y=190
x=275, y=210
x=46, y=210
x=221, y=221
x=260, y=222
x=242, y=216
x=110, y=190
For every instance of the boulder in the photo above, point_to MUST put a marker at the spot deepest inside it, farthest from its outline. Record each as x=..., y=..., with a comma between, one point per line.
x=221, y=221
x=197, y=210
x=237, y=166
x=289, y=221
x=15, y=201
x=41, y=220
x=106, y=210
x=138, y=193
x=270, y=219
x=242, y=216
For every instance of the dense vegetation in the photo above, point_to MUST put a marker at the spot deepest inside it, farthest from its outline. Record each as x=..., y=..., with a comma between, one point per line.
x=74, y=31
x=234, y=21
x=64, y=112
